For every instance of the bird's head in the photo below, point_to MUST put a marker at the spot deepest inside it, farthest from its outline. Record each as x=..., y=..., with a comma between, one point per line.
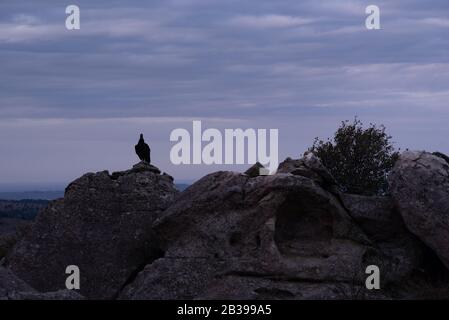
x=141, y=136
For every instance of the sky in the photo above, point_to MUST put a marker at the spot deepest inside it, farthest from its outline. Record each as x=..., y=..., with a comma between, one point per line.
x=75, y=101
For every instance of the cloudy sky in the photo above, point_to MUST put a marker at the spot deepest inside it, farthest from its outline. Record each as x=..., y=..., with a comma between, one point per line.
x=75, y=101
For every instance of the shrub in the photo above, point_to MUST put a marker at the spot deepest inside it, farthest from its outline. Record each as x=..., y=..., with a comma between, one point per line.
x=359, y=159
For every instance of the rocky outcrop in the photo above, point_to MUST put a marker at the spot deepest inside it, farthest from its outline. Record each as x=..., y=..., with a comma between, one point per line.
x=283, y=236
x=420, y=188
x=291, y=235
x=102, y=226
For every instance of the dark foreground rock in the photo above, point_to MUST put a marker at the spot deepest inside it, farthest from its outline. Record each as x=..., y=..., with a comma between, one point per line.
x=56, y=295
x=286, y=236
x=292, y=235
x=13, y=288
x=10, y=284
x=102, y=226
x=379, y=219
x=420, y=188
x=10, y=232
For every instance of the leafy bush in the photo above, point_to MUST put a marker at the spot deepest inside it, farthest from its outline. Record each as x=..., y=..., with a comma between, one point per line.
x=359, y=159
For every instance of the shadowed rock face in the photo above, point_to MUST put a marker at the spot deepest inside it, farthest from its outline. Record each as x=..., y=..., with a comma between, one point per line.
x=10, y=231
x=10, y=284
x=102, y=226
x=379, y=219
x=13, y=288
x=420, y=189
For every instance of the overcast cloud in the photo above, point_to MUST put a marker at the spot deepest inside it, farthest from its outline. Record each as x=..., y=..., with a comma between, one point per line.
x=75, y=101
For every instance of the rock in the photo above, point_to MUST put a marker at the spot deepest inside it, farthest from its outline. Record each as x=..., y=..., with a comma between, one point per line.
x=11, y=284
x=10, y=231
x=56, y=295
x=273, y=237
x=419, y=184
x=13, y=288
x=291, y=235
x=145, y=166
x=309, y=166
x=168, y=176
x=102, y=226
x=254, y=171
x=376, y=215
x=379, y=219
x=441, y=155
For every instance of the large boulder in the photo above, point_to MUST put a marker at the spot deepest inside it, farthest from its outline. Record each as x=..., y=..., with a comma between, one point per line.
x=284, y=236
x=419, y=185
x=102, y=226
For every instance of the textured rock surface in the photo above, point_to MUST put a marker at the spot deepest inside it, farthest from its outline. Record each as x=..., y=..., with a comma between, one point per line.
x=311, y=167
x=419, y=185
x=13, y=288
x=102, y=226
x=273, y=237
x=56, y=295
x=10, y=231
x=379, y=219
x=10, y=284
x=442, y=155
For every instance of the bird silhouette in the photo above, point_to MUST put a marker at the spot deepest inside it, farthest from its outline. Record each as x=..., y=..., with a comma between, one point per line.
x=143, y=150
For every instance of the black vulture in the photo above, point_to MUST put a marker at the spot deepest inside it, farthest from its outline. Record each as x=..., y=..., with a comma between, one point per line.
x=143, y=150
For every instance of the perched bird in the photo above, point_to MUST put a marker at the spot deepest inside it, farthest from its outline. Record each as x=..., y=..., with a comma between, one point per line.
x=143, y=150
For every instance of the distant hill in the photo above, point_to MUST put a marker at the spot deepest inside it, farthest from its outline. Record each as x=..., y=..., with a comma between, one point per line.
x=23, y=209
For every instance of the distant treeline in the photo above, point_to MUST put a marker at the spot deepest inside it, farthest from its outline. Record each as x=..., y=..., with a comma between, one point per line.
x=32, y=195
x=23, y=209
